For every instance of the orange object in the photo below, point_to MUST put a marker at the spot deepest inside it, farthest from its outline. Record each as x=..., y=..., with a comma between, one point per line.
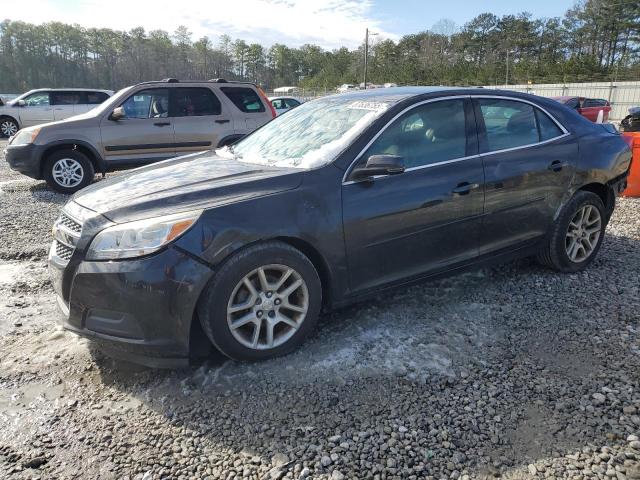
x=633, y=181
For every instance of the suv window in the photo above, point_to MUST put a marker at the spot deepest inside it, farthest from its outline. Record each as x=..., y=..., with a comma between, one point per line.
x=431, y=133
x=291, y=102
x=149, y=103
x=246, y=99
x=95, y=98
x=37, y=99
x=66, y=98
x=573, y=103
x=594, y=102
x=194, y=102
x=512, y=124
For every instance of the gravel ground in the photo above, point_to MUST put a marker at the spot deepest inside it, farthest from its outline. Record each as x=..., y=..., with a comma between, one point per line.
x=513, y=372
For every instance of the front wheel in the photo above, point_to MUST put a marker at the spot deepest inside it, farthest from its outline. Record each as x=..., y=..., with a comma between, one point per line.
x=262, y=303
x=67, y=171
x=576, y=235
x=8, y=127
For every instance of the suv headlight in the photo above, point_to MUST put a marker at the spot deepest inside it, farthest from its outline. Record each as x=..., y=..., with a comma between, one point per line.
x=25, y=136
x=142, y=237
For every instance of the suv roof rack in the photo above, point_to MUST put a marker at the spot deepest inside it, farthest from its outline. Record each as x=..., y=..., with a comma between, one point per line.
x=218, y=80
x=170, y=80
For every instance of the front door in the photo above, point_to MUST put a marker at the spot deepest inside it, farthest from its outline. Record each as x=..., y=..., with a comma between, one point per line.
x=529, y=161
x=146, y=133
x=200, y=121
x=426, y=219
x=36, y=110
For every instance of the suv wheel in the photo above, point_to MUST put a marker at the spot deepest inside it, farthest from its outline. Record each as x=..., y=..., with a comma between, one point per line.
x=262, y=303
x=67, y=171
x=8, y=127
x=576, y=235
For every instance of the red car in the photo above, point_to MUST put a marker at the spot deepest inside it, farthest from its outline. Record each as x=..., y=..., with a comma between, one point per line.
x=589, y=108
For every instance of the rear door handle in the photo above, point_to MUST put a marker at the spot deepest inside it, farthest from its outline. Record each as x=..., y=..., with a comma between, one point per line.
x=162, y=124
x=223, y=121
x=556, y=165
x=465, y=187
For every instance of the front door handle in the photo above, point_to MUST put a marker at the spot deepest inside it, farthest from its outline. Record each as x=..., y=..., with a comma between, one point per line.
x=223, y=121
x=556, y=166
x=465, y=187
x=162, y=124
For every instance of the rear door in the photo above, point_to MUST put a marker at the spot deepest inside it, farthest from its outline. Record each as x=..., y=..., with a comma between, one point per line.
x=37, y=109
x=200, y=120
x=145, y=135
x=66, y=104
x=250, y=111
x=428, y=218
x=529, y=161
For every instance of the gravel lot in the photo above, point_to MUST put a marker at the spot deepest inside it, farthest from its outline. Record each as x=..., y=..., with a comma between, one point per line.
x=512, y=372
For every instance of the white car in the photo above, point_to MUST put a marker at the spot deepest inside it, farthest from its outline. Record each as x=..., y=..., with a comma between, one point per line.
x=346, y=87
x=284, y=104
x=47, y=105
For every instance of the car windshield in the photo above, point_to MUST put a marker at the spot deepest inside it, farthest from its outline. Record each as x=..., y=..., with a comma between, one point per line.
x=308, y=136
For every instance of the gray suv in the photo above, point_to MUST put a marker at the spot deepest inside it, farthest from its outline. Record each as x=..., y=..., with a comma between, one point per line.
x=141, y=124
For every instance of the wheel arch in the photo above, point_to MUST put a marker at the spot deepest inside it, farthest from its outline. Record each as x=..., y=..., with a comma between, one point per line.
x=603, y=191
x=82, y=147
x=229, y=139
x=11, y=117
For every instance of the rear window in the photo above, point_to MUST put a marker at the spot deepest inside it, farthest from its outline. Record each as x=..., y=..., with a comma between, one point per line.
x=66, y=98
x=95, y=98
x=594, y=102
x=246, y=99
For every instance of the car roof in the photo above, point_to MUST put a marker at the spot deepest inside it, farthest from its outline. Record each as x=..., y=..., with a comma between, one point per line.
x=71, y=90
x=398, y=94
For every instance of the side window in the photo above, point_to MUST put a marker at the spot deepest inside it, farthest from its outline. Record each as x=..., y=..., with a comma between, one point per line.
x=194, y=102
x=66, y=98
x=291, y=102
x=548, y=128
x=95, y=98
x=508, y=123
x=150, y=103
x=37, y=99
x=246, y=99
x=278, y=103
x=431, y=133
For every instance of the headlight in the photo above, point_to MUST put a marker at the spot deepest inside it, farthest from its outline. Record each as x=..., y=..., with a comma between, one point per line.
x=134, y=239
x=25, y=136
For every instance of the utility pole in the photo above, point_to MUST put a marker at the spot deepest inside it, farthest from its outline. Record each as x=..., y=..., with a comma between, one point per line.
x=366, y=55
x=506, y=78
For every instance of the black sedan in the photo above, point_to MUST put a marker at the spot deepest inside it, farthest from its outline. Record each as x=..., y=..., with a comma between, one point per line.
x=342, y=197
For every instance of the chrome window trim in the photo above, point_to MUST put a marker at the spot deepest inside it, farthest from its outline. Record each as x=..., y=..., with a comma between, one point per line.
x=455, y=160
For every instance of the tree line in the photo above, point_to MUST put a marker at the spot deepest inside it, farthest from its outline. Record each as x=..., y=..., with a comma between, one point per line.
x=596, y=40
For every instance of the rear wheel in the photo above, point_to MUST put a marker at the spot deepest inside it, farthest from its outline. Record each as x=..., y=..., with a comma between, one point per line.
x=67, y=171
x=577, y=234
x=262, y=303
x=8, y=127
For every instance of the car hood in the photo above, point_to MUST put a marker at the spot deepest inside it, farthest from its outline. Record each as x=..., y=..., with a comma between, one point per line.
x=185, y=183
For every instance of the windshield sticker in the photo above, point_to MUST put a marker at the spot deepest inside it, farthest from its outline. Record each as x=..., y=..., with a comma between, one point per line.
x=371, y=106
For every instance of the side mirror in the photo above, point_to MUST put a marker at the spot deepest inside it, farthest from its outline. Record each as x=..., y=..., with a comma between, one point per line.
x=21, y=103
x=379, y=165
x=117, y=114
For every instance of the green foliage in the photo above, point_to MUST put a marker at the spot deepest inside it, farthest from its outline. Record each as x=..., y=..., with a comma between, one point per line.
x=597, y=40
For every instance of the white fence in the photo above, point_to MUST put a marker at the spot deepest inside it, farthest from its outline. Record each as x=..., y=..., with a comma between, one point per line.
x=621, y=95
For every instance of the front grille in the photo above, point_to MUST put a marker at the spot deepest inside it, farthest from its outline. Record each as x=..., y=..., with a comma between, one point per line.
x=63, y=251
x=70, y=223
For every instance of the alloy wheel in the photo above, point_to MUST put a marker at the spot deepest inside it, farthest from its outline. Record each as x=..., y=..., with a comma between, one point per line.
x=267, y=307
x=583, y=233
x=8, y=128
x=67, y=172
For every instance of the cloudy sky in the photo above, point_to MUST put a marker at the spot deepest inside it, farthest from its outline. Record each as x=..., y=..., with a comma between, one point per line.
x=329, y=23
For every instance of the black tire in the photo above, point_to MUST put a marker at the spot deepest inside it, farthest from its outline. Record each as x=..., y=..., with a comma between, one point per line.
x=87, y=171
x=554, y=254
x=8, y=125
x=212, y=306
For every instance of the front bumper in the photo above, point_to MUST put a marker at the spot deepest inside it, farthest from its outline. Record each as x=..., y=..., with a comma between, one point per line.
x=25, y=159
x=137, y=310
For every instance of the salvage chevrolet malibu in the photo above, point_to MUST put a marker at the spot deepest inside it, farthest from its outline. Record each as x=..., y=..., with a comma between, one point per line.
x=333, y=202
